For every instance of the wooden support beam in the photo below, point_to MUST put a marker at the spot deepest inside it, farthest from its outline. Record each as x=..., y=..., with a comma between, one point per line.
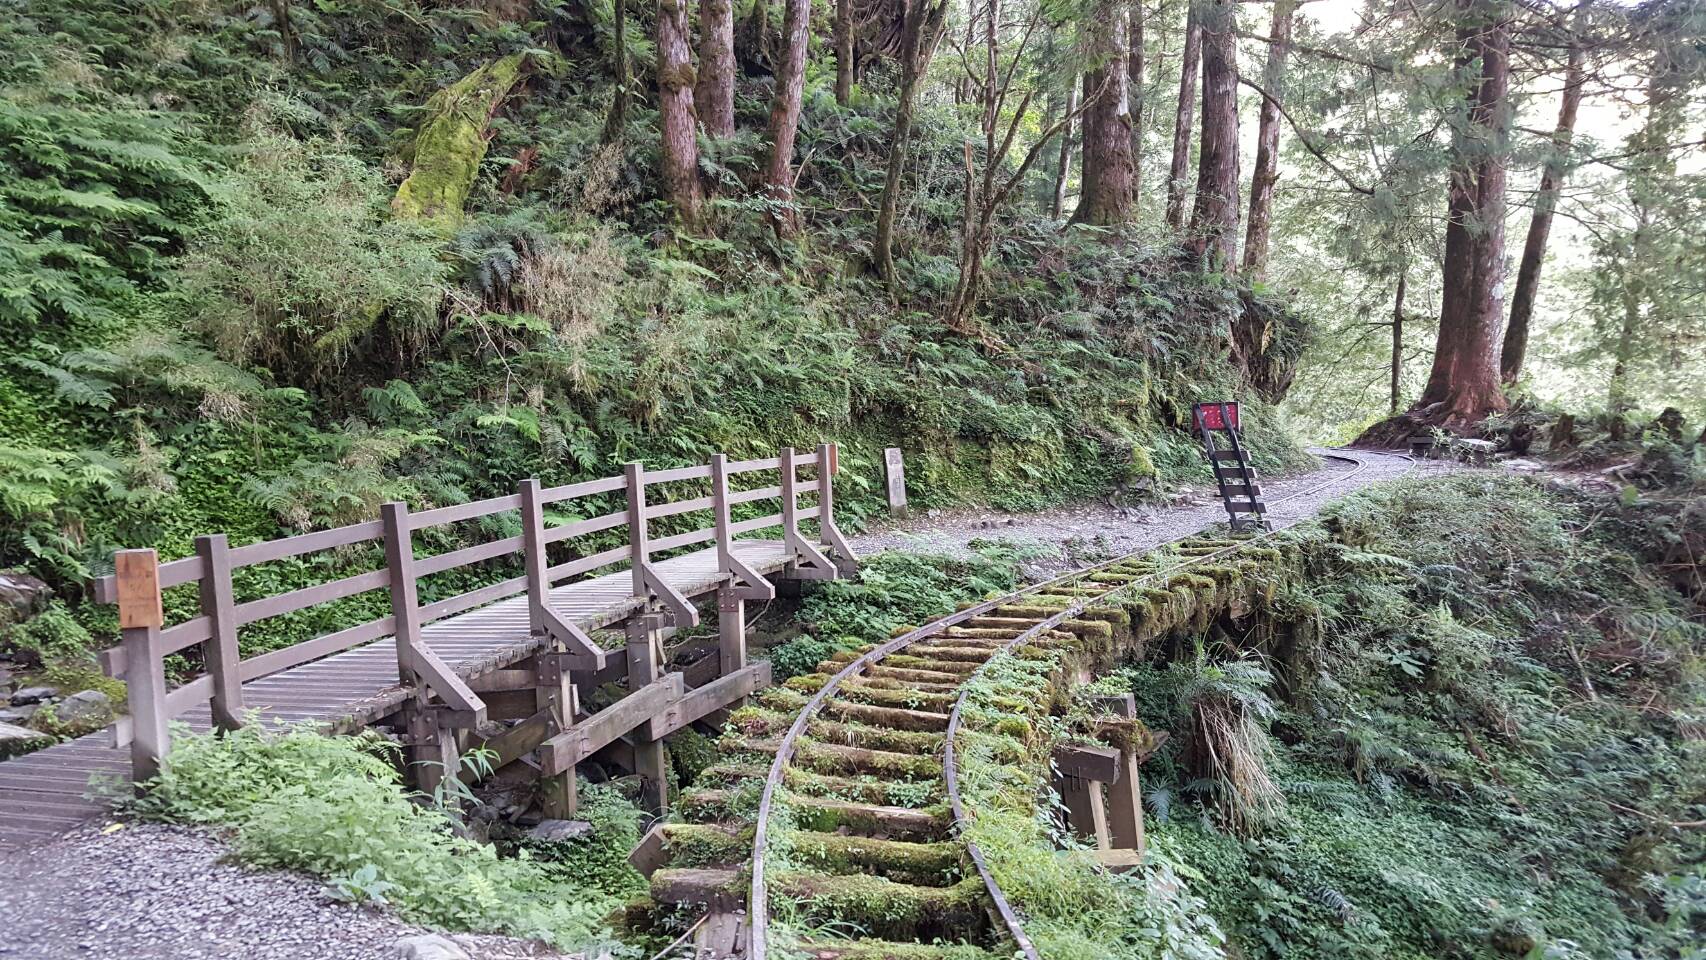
x=681, y=608
x=731, y=629
x=696, y=704
x=499, y=681
x=574, y=639
x=1087, y=763
x=1125, y=793
x=585, y=737
x=555, y=694
x=1086, y=811
x=518, y=741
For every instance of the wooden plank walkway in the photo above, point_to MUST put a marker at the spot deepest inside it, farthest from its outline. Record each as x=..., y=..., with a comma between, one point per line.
x=45, y=793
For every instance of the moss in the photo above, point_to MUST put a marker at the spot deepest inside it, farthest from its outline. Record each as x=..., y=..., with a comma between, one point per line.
x=690, y=752
x=827, y=758
x=451, y=142
x=703, y=845
x=895, y=911
x=928, y=864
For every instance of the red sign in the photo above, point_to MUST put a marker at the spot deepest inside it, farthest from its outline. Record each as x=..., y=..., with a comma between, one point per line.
x=1209, y=415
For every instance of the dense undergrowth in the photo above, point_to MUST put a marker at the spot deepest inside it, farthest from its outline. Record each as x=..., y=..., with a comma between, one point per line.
x=1480, y=717
x=220, y=325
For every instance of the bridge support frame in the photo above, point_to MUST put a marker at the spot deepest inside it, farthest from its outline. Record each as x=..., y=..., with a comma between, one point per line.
x=645, y=666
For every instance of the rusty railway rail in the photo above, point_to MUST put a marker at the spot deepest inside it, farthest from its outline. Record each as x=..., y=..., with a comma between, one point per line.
x=758, y=906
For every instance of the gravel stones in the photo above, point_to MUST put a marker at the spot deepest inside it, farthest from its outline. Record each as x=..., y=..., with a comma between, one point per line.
x=153, y=892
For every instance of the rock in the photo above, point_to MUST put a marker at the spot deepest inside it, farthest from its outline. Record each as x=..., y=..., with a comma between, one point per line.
x=19, y=714
x=32, y=695
x=86, y=706
x=428, y=946
x=553, y=831
x=16, y=740
x=1521, y=465
x=24, y=594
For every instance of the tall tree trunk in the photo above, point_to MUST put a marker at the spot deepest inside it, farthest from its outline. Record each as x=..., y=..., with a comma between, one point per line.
x=1214, y=216
x=1184, y=121
x=1463, y=386
x=1540, y=225
x=680, y=133
x=714, y=94
x=754, y=44
x=785, y=117
x=1104, y=195
x=1135, y=86
x=1266, y=174
x=617, y=118
x=921, y=27
x=1634, y=292
x=843, y=51
x=1398, y=337
x=1063, y=170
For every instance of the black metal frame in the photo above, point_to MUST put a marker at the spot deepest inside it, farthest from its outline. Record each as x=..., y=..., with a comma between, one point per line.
x=1244, y=508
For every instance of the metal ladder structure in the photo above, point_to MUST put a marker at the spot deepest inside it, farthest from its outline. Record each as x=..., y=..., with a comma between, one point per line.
x=1233, y=472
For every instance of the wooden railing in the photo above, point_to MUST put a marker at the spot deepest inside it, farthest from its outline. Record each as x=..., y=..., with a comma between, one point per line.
x=139, y=580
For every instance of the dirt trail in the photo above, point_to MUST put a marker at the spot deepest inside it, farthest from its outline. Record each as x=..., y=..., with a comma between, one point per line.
x=1074, y=535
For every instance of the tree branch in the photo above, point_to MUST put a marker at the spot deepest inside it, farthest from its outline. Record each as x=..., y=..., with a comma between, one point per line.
x=1303, y=138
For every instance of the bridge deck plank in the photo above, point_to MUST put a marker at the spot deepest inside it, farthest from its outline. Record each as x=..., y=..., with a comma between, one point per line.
x=43, y=794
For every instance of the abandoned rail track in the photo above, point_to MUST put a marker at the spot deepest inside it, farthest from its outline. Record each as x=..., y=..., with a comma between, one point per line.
x=863, y=780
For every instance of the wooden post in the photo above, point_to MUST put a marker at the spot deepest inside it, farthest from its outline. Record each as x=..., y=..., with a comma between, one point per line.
x=731, y=630
x=1086, y=811
x=645, y=643
x=896, y=469
x=533, y=551
x=790, y=502
x=731, y=606
x=720, y=519
x=638, y=551
x=405, y=600
x=432, y=747
x=1125, y=794
x=828, y=462
x=140, y=617
x=220, y=651
x=553, y=690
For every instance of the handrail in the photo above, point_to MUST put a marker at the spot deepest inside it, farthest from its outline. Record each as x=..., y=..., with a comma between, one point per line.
x=139, y=579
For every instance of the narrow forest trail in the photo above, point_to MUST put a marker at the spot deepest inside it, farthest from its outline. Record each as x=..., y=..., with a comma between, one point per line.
x=1077, y=533
x=857, y=832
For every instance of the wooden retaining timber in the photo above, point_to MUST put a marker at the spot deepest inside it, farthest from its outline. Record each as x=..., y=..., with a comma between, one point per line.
x=451, y=671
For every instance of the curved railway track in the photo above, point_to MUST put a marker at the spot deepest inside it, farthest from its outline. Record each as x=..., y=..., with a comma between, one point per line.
x=877, y=726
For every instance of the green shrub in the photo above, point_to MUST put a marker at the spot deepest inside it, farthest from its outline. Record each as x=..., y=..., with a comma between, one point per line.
x=273, y=283
x=334, y=807
x=49, y=637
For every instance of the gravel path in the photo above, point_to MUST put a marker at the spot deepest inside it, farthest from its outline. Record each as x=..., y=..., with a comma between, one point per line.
x=1071, y=536
x=153, y=892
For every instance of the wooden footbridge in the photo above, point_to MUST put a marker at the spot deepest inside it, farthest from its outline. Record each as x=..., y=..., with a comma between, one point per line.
x=503, y=666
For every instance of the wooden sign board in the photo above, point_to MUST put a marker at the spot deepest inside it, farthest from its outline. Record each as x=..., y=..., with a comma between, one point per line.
x=137, y=573
x=896, y=470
